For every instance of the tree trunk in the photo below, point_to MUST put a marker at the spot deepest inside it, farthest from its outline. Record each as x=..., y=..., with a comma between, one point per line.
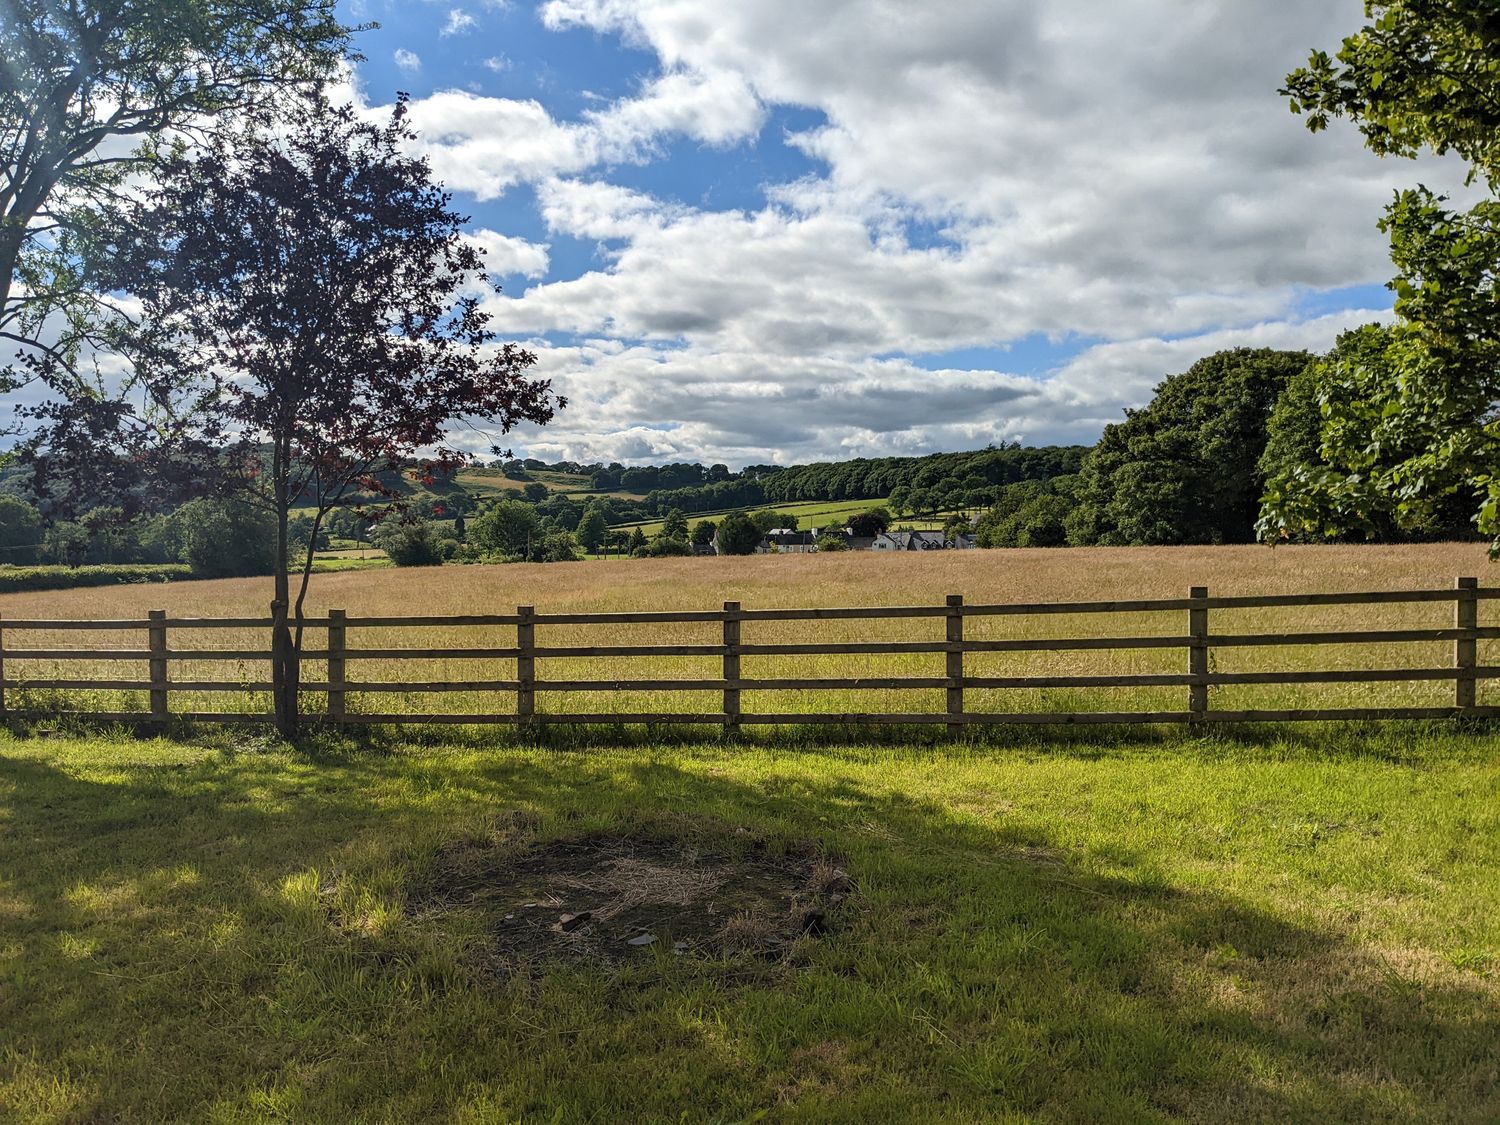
x=286, y=665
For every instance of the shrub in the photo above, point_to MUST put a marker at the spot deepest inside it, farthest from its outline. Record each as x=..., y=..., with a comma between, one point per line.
x=409, y=544
x=664, y=546
x=16, y=579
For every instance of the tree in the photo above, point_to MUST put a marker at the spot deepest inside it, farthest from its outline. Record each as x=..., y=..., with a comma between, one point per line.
x=592, y=529
x=1316, y=474
x=637, y=540
x=507, y=527
x=1418, y=426
x=87, y=89
x=226, y=539
x=409, y=543
x=536, y=492
x=738, y=535
x=769, y=519
x=675, y=526
x=20, y=531
x=703, y=533
x=558, y=546
x=869, y=524
x=1185, y=468
x=307, y=288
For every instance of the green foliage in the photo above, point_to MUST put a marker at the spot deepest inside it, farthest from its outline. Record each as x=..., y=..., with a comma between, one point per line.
x=536, y=492
x=1185, y=469
x=1323, y=481
x=664, y=546
x=409, y=544
x=506, y=527
x=769, y=519
x=637, y=541
x=592, y=528
x=20, y=531
x=1418, y=426
x=675, y=526
x=223, y=539
x=832, y=538
x=871, y=523
x=558, y=546
x=19, y=578
x=738, y=535
x=703, y=532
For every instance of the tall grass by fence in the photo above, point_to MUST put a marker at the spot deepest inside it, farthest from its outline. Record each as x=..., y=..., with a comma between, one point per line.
x=351, y=697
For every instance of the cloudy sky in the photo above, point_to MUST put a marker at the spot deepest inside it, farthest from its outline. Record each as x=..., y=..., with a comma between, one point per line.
x=783, y=230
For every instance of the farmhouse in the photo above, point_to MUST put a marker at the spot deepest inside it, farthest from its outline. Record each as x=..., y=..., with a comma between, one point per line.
x=919, y=541
x=784, y=541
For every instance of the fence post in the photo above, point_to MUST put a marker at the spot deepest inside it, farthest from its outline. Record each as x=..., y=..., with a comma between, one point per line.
x=157, y=626
x=731, y=668
x=2, y=675
x=526, y=668
x=955, y=669
x=1466, y=648
x=1198, y=653
x=336, y=665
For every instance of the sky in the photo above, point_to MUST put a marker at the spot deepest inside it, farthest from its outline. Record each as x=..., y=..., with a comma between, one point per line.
x=792, y=230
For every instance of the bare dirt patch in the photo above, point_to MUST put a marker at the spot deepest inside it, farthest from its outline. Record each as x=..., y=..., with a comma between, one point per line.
x=608, y=899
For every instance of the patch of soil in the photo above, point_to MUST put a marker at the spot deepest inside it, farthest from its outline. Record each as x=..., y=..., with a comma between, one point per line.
x=608, y=899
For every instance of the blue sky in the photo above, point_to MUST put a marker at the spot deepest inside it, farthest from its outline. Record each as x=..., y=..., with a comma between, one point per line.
x=780, y=231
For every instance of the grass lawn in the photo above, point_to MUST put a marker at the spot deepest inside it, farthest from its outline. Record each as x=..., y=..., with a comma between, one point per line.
x=1262, y=927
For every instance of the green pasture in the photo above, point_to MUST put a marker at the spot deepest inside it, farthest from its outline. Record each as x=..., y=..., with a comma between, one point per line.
x=1138, y=927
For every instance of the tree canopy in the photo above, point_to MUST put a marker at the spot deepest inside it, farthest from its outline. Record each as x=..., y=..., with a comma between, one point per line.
x=1418, y=425
x=1185, y=468
x=88, y=91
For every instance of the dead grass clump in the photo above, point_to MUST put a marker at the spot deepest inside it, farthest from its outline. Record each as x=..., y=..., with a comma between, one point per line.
x=605, y=899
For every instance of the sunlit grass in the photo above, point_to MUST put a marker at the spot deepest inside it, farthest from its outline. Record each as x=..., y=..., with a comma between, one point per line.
x=1302, y=927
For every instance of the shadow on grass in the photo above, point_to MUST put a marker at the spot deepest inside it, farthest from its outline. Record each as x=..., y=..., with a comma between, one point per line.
x=236, y=920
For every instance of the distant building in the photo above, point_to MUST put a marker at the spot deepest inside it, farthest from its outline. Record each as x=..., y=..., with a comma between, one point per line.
x=920, y=541
x=784, y=541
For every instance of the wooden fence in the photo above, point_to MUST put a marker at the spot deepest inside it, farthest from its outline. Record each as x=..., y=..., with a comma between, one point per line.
x=1197, y=641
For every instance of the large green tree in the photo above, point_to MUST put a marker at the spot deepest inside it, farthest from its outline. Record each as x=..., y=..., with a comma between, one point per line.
x=1185, y=468
x=88, y=91
x=1406, y=434
x=507, y=527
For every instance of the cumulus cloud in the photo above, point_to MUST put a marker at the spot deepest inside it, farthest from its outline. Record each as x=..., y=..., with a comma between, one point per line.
x=636, y=402
x=506, y=255
x=989, y=171
x=408, y=61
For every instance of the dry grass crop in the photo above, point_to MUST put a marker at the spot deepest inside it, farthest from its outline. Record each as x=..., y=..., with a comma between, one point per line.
x=862, y=579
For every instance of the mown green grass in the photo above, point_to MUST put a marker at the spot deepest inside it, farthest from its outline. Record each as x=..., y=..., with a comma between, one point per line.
x=1133, y=927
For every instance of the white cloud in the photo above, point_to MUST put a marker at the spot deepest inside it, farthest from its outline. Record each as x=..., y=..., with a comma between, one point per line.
x=988, y=171
x=729, y=406
x=506, y=255
x=458, y=22
x=409, y=61
x=499, y=64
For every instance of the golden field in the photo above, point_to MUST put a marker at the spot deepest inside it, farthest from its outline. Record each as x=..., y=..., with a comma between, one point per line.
x=835, y=580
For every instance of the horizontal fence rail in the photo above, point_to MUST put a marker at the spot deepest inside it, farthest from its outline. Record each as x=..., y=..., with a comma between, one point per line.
x=344, y=684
